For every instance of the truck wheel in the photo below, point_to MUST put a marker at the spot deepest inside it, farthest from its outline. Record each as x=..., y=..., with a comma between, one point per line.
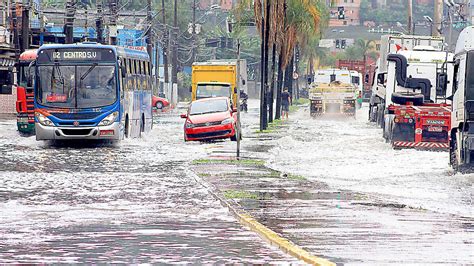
x=415, y=98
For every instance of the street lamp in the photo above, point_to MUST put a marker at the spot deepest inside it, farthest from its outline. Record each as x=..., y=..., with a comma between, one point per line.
x=430, y=21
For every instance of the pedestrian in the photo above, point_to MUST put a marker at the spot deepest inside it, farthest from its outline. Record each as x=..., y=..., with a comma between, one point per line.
x=285, y=103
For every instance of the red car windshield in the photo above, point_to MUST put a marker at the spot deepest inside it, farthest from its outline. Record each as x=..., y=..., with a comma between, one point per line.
x=207, y=107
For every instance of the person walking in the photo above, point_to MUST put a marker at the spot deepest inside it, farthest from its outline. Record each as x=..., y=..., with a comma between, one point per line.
x=285, y=104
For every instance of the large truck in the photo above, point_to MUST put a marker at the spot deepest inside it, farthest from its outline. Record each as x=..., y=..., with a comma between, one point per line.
x=462, y=116
x=25, y=93
x=217, y=78
x=390, y=44
x=333, y=98
x=417, y=109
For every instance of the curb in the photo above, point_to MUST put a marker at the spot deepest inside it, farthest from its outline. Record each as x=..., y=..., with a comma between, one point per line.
x=264, y=232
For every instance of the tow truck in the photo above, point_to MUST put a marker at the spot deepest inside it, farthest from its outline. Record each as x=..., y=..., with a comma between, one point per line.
x=25, y=95
x=461, y=148
x=418, y=111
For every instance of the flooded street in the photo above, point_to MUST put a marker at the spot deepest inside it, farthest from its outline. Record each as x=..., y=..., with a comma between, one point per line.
x=135, y=202
x=376, y=205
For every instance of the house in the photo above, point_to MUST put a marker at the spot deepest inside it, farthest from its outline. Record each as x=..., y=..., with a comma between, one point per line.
x=344, y=12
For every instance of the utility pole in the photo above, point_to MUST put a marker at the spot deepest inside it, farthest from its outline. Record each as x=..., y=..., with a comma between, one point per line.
x=25, y=26
x=438, y=15
x=239, y=78
x=69, y=23
x=174, y=71
x=263, y=111
x=267, y=37
x=165, y=49
x=149, y=18
x=86, y=25
x=99, y=22
x=16, y=39
x=410, y=16
x=113, y=22
x=193, y=58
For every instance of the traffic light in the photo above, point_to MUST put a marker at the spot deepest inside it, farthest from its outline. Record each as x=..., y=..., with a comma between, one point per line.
x=341, y=13
x=338, y=44
x=343, y=44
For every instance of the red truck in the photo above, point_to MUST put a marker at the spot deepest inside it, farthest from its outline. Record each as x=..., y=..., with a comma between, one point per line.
x=25, y=94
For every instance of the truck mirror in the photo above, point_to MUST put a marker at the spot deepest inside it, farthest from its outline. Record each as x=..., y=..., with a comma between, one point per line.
x=442, y=84
x=235, y=89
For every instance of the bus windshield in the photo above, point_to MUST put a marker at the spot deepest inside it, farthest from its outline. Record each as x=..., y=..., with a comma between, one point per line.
x=84, y=86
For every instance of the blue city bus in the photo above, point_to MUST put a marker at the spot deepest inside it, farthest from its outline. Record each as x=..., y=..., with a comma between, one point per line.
x=92, y=91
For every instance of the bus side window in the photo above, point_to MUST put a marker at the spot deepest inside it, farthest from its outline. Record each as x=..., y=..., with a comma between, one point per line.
x=121, y=77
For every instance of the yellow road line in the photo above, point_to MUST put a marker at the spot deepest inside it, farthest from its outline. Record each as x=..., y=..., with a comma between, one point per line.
x=264, y=232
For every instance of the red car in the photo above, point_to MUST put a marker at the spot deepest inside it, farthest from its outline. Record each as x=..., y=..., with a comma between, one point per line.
x=211, y=118
x=159, y=102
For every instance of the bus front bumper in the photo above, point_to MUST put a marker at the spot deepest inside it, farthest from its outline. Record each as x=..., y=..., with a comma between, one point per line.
x=112, y=132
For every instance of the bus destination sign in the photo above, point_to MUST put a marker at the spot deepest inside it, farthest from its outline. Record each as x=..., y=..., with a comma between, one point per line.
x=55, y=55
x=70, y=55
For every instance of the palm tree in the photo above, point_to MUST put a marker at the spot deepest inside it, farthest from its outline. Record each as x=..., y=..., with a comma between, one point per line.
x=301, y=20
x=365, y=48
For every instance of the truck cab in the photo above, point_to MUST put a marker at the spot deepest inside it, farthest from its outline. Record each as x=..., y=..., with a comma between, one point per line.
x=218, y=78
x=462, y=116
x=418, y=84
x=25, y=93
x=390, y=44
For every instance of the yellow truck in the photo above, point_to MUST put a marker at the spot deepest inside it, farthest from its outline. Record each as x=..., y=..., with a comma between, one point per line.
x=218, y=78
x=334, y=97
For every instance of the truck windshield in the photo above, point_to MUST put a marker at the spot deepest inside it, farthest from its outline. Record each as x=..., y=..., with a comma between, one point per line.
x=470, y=77
x=85, y=86
x=207, y=107
x=212, y=90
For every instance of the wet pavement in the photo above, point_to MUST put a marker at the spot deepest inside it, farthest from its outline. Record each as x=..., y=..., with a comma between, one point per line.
x=336, y=189
x=135, y=202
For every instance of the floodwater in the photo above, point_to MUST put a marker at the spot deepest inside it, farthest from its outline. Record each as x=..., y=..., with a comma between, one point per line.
x=409, y=206
x=134, y=202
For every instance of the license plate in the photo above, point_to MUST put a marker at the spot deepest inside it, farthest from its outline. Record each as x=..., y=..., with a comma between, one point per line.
x=435, y=129
x=106, y=132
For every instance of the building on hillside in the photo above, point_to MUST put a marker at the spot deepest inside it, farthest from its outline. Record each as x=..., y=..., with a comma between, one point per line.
x=222, y=4
x=344, y=12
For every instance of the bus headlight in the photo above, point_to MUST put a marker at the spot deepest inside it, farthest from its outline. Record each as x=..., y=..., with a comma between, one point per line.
x=43, y=120
x=109, y=120
x=228, y=121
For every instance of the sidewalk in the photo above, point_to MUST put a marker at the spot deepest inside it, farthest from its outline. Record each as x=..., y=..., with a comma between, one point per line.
x=253, y=191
